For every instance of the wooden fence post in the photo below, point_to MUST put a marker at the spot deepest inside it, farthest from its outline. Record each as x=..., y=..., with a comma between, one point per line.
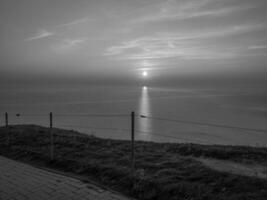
x=6, y=119
x=132, y=144
x=7, y=133
x=51, y=137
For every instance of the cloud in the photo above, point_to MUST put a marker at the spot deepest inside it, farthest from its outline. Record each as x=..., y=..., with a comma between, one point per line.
x=161, y=48
x=75, y=22
x=258, y=47
x=178, y=10
x=198, y=45
x=68, y=44
x=40, y=34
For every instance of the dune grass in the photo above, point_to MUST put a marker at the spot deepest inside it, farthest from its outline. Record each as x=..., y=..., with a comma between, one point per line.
x=163, y=170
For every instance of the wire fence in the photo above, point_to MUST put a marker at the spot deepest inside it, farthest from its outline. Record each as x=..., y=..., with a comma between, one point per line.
x=127, y=129
x=203, y=124
x=91, y=125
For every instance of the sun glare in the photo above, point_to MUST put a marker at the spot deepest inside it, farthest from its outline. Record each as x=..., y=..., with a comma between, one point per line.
x=144, y=73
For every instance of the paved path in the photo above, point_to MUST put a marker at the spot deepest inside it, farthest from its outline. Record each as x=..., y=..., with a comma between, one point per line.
x=20, y=181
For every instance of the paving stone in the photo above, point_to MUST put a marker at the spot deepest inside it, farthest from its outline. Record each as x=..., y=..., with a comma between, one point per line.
x=20, y=181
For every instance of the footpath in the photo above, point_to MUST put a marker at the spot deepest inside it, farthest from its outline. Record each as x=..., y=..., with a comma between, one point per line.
x=19, y=181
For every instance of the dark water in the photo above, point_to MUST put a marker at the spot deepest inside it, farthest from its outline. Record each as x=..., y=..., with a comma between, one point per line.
x=241, y=107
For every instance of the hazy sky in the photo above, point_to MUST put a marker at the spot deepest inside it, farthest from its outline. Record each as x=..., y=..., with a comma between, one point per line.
x=116, y=40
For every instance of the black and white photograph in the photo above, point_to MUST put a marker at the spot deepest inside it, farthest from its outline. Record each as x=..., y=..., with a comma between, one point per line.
x=133, y=99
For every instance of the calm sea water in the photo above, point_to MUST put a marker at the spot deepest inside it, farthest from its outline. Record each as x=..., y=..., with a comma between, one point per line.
x=241, y=107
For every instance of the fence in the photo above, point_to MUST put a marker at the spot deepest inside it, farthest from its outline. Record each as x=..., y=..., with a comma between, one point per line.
x=132, y=131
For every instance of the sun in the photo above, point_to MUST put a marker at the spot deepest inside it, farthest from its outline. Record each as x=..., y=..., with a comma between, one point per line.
x=144, y=73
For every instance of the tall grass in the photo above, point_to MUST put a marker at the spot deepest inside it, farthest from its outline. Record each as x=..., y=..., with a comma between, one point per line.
x=163, y=171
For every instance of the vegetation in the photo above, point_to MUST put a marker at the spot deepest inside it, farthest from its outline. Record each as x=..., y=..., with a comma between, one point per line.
x=163, y=170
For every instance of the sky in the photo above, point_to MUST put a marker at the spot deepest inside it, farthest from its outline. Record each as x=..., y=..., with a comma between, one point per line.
x=115, y=41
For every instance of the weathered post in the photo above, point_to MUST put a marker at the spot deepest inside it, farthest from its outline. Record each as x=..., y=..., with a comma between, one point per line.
x=132, y=144
x=51, y=137
x=7, y=132
x=6, y=119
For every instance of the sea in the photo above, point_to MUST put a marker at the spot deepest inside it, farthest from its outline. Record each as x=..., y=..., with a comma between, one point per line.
x=184, y=114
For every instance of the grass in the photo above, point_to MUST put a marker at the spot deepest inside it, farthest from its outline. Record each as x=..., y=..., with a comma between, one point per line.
x=163, y=170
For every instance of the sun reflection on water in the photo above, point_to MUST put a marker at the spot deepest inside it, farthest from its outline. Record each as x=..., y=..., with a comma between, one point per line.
x=144, y=125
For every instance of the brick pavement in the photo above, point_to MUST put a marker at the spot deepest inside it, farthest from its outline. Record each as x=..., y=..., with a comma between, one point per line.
x=19, y=181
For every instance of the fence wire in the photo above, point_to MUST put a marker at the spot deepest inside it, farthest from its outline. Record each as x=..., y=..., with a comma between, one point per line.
x=138, y=116
x=202, y=124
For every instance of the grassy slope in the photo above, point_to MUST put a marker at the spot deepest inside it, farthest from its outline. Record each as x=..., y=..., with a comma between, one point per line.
x=164, y=171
